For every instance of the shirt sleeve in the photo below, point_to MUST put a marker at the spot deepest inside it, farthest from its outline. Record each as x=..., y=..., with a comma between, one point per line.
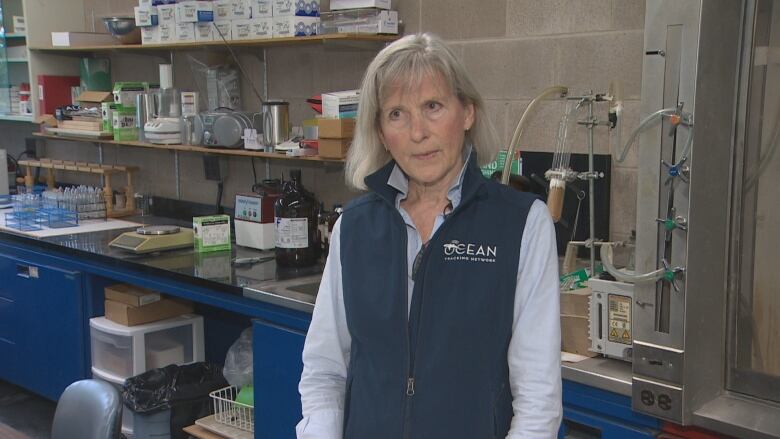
x=326, y=355
x=534, y=351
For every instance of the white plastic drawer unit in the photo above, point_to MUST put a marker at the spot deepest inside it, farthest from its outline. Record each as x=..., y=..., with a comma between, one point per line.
x=127, y=414
x=120, y=352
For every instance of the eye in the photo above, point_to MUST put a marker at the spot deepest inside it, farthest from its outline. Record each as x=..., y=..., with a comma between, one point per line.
x=394, y=114
x=433, y=106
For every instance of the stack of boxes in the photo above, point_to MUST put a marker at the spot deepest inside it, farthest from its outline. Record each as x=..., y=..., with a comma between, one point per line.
x=166, y=22
x=337, y=125
x=360, y=16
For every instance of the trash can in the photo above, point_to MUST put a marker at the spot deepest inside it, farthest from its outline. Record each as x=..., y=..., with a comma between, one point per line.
x=166, y=400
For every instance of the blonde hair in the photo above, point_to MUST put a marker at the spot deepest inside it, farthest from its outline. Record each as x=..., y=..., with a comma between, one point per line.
x=408, y=61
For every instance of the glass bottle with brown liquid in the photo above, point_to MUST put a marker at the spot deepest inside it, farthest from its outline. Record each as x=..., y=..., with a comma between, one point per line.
x=297, y=239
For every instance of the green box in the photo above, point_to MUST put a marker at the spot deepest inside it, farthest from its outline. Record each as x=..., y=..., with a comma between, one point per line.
x=107, y=112
x=212, y=233
x=498, y=165
x=125, y=128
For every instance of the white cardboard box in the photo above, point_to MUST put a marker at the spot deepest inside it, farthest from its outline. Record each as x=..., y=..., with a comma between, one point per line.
x=242, y=10
x=262, y=28
x=187, y=12
x=295, y=26
x=146, y=16
x=166, y=14
x=262, y=9
x=289, y=8
x=354, y=4
x=185, y=32
x=386, y=23
x=337, y=102
x=150, y=35
x=223, y=10
x=223, y=27
x=143, y=3
x=20, y=26
x=204, y=31
x=242, y=29
x=167, y=32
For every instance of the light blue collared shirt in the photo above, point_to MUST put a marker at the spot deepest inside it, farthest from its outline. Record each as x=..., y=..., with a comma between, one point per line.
x=534, y=350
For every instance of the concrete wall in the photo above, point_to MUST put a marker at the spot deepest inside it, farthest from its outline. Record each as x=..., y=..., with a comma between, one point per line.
x=511, y=48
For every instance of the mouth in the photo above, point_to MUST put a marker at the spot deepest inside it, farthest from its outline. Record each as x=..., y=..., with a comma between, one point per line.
x=426, y=155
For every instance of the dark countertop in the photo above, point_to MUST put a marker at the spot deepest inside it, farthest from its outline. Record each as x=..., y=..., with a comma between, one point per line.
x=212, y=269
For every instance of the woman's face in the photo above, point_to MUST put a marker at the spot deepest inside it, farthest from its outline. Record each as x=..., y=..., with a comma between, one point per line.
x=423, y=128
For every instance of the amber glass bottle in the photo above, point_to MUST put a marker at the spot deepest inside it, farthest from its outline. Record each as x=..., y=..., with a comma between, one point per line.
x=297, y=239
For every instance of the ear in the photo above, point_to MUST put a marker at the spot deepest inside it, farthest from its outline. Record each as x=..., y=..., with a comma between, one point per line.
x=468, y=120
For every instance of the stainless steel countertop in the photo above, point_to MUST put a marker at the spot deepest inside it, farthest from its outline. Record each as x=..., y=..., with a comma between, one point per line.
x=603, y=373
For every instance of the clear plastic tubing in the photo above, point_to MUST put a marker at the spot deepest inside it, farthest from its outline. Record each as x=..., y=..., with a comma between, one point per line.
x=547, y=92
x=606, y=261
x=644, y=124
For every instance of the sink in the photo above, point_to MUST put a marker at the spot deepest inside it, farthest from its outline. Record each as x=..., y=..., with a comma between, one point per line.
x=309, y=288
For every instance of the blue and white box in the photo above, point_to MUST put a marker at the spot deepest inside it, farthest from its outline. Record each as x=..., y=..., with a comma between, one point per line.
x=300, y=8
x=262, y=9
x=146, y=16
x=262, y=28
x=340, y=104
x=296, y=26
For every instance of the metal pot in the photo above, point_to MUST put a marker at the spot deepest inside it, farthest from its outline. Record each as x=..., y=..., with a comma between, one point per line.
x=276, y=122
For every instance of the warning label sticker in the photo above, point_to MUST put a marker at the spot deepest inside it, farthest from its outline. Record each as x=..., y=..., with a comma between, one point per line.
x=619, y=319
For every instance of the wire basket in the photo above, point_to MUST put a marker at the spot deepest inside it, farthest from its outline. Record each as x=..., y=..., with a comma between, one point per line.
x=229, y=412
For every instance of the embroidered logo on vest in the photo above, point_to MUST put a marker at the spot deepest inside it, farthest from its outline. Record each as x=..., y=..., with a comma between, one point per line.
x=458, y=251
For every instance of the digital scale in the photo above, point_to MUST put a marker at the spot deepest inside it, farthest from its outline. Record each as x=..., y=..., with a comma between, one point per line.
x=149, y=239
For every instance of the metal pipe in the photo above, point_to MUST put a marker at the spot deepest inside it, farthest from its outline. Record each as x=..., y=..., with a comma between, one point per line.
x=513, y=144
x=591, y=190
x=176, y=173
x=100, y=160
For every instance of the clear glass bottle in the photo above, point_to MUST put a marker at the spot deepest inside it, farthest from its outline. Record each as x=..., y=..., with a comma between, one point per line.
x=297, y=238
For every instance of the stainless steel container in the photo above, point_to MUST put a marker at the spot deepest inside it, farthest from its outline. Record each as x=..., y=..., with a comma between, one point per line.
x=276, y=122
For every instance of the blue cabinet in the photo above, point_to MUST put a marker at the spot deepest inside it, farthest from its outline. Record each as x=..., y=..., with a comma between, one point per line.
x=42, y=326
x=278, y=366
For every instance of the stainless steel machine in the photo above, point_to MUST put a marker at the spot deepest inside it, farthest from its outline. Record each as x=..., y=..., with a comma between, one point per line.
x=706, y=348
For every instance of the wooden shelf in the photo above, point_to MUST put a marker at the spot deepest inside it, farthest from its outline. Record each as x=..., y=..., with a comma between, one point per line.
x=268, y=42
x=191, y=148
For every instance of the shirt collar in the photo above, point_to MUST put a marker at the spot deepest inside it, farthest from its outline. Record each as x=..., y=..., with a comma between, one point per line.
x=400, y=182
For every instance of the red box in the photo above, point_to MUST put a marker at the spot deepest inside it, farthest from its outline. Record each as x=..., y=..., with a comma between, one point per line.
x=54, y=91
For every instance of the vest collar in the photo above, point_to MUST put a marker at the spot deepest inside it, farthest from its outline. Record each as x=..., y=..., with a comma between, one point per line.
x=472, y=181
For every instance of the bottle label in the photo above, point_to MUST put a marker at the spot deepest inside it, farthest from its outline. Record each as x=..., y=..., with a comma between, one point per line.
x=292, y=232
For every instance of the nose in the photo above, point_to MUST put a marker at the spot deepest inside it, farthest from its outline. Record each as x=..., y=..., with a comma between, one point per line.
x=418, y=127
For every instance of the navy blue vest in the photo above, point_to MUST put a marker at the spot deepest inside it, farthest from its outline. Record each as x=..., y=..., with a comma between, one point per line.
x=441, y=373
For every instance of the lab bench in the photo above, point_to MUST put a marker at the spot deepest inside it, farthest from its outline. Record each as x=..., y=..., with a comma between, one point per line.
x=51, y=287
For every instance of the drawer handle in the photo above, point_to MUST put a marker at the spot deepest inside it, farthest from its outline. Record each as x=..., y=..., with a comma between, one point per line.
x=26, y=271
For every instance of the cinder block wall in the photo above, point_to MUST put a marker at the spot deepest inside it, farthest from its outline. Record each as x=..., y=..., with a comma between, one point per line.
x=511, y=48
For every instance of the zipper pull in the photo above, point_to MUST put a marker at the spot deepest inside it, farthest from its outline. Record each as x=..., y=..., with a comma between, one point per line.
x=410, y=387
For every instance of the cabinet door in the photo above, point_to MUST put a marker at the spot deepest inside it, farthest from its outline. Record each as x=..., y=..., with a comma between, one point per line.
x=9, y=324
x=51, y=325
x=277, y=370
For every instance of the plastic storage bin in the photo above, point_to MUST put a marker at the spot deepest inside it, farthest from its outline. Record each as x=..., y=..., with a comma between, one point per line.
x=120, y=352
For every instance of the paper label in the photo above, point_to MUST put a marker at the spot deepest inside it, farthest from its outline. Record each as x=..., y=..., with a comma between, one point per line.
x=619, y=319
x=292, y=232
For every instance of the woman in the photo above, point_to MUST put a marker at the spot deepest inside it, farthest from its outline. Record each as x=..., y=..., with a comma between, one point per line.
x=437, y=315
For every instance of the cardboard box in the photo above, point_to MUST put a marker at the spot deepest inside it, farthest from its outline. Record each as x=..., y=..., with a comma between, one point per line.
x=331, y=128
x=223, y=29
x=54, y=91
x=296, y=26
x=131, y=294
x=167, y=32
x=162, y=309
x=212, y=233
x=20, y=26
x=241, y=10
x=334, y=148
x=262, y=9
x=574, y=335
x=204, y=32
x=146, y=16
x=166, y=14
x=340, y=104
x=300, y=8
x=576, y=302
x=150, y=35
x=186, y=12
x=262, y=28
x=185, y=32
x=241, y=29
x=223, y=10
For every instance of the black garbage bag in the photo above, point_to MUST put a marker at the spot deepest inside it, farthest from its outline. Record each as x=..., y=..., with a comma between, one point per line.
x=182, y=389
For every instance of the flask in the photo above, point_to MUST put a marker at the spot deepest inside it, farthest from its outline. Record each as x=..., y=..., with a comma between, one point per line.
x=296, y=212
